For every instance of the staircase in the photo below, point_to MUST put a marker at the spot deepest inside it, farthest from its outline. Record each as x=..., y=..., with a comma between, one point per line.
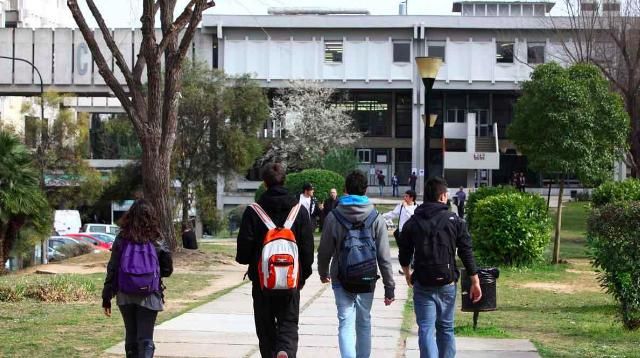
x=485, y=145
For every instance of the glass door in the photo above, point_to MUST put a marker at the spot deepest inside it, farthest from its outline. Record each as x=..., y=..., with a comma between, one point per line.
x=484, y=128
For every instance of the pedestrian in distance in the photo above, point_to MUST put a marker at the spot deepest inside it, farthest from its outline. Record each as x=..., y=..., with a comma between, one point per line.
x=309, y=201
x=381, y=182
x=413, y=179
x=461, y=198
x=354, y=244
x=189, y=240
x=139, y=260
x=403, y=212
x=276, y=241
x=395, y=183
x=522, y=182
x=431, y=237
x=328, y=205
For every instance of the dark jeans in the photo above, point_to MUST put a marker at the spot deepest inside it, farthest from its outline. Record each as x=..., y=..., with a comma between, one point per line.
x=138, y=324
x=461, y=210
x=276, y=319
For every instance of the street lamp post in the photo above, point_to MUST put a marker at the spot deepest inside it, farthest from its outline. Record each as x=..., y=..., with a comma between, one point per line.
x=39, y=77
x=428, y=69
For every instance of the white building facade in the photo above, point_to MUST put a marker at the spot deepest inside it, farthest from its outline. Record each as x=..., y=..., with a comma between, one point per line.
x=488, y=51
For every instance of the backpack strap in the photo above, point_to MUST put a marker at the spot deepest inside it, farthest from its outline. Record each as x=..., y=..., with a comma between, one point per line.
x=438, y=222
x=292, y=216
x=263, y=216
x=342, y=220
x=371, y=218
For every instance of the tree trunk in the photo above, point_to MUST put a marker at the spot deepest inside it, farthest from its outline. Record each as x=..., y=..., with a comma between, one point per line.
x=8, y=234
x=157, y=187
x=556, y=240
x=634, y=114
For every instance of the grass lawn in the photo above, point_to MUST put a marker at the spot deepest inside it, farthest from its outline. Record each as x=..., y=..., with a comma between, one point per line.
x=561, y=309
x=31, y=328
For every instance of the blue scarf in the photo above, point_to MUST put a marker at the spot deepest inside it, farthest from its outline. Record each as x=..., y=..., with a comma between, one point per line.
x=354, y=200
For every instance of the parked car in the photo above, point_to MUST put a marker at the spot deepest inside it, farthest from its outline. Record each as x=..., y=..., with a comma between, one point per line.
x=103, y=237
x=54, y=255
x=84, y=237
x=57, y=241
x=100, y=228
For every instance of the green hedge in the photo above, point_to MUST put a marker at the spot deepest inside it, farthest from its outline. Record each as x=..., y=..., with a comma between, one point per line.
x=481, y=193
x=511, y=229
x=616, y=192
x=322, y=180
x=614, y=242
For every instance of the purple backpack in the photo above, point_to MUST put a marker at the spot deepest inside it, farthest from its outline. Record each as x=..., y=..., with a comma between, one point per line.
x=139, y=271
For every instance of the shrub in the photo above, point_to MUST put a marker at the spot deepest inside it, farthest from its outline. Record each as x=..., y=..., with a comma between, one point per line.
x=614, y=242
x=322, y=180
x=511, y=229
x=72, y=250
x=481, y=193
x=615, y=192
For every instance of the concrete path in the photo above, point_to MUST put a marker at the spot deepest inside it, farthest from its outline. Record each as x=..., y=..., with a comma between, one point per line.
x=224, y=328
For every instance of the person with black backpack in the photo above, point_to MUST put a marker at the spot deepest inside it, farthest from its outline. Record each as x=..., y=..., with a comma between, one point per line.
x=431, y=237
x=356, y=243
x=138, y=262
x=276, y=241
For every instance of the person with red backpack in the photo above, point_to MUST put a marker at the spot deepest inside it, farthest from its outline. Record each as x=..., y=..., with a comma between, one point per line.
x=276, y=241
x=138, y=262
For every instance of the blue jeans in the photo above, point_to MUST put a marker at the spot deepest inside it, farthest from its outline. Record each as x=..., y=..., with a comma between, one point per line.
x=395, y=191
x=435, y=307
x=354, y=316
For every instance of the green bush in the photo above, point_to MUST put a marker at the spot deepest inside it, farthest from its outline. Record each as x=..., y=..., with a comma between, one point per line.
x=73, y=250
x=511, y=229
x=322, y=180
x=47, y=288
x=481, y=193
x=614, y=242
x=615, y=192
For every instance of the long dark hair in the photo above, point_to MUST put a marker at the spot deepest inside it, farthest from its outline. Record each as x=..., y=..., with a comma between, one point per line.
x=140, y=223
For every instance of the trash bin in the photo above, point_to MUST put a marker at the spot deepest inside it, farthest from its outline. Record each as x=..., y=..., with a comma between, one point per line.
x=488, y=302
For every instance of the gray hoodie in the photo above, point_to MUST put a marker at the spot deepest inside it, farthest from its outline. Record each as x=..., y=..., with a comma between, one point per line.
x=331, y=241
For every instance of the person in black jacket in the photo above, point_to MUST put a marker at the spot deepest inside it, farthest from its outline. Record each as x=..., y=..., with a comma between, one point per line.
x=276, y=317
x=309, y=201
x=139, y=312
x=433, y=234
x=328, y=205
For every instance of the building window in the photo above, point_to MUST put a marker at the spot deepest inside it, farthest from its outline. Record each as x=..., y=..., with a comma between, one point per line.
x=401, y=51
x=373, y=114
x=515, y=10
x=403, y=115
x=504, y=52
x=492, y=9
x=382, y=156
x=467, y=9
x=503, y=9
x=480, y=10
x=364, y=155
x=527, y=10
x=403, y=165
x=538, y=10
x=456, y=115
x=436, y=49
x=333, y=51
x=535, y=53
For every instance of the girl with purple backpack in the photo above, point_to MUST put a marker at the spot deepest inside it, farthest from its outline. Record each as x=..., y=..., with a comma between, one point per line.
x=138, y=261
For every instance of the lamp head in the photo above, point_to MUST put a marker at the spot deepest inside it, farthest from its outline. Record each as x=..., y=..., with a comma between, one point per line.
x=428, y=67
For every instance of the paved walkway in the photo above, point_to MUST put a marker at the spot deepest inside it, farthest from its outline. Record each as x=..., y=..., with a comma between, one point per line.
x=224, y=328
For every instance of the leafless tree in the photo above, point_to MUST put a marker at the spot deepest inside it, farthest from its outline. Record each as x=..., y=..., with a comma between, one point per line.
x=153, y=109
x=607, y=33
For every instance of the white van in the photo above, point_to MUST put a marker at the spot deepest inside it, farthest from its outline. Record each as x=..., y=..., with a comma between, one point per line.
x=101, y=228
x=67, y=222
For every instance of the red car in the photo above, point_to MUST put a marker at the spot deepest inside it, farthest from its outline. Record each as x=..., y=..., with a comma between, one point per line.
x=91, y=240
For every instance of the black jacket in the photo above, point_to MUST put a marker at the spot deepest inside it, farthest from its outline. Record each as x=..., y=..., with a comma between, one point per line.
x=111, y=281
x=277, y=203
x=413, y=237
x=328, y=205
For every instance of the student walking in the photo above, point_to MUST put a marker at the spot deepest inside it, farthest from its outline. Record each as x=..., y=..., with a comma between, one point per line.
x=138, y=261
x=413, y=179
x=328, y=205
x=381, y=182
x=276, y=228
x=308, y=200
x=356, y=243
x=395, y=183
x=403, y=211
x=433, y=234
x=461, y=198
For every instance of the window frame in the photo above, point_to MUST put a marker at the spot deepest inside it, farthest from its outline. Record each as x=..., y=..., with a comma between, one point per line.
x=366, y=152
x=499, y=46
x=401, y=42
x=530, y=46
x=330, y=47
x=437, y=43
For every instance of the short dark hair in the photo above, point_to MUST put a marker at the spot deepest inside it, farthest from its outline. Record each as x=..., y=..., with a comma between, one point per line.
x=356, y=183
x=412, y=194
x=273, y=174
x=435, y=187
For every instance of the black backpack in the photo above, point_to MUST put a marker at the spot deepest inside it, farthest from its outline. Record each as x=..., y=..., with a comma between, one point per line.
x=434, y=261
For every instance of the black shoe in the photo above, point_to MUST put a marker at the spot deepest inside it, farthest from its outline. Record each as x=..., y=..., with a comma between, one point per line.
x=401, y=272
x=146, y=348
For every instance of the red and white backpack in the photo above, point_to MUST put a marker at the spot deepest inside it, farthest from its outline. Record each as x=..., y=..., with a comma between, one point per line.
x=278, y=267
